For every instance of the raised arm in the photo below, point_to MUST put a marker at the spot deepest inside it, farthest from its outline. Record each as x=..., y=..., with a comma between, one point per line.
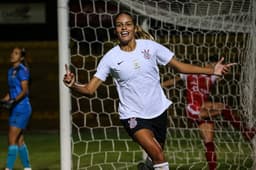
x=88, y=88
x=219, y=68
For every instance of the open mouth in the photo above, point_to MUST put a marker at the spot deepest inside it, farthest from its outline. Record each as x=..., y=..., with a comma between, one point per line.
x=124, y=33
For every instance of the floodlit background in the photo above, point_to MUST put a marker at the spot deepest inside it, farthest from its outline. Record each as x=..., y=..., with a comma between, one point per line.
x=33, y=25
x=98, y=139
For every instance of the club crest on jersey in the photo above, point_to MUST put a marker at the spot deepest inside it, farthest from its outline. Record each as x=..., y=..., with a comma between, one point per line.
x=132, y=122
x=146, y=54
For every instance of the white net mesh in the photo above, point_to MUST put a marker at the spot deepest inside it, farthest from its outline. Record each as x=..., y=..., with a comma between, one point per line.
x=193, y=30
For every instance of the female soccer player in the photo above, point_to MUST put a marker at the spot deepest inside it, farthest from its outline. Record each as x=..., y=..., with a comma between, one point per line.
x=201, y=111
x=133, y=64
x=17, y=101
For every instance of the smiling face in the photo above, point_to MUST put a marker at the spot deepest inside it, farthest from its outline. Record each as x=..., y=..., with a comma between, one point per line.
x=125, y=28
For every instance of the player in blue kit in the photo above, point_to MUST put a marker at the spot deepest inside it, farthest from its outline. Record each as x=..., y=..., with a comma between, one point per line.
x=133, y=64
x=17, y=101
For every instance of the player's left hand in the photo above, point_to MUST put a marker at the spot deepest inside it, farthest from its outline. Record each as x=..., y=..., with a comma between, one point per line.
x=221, y=69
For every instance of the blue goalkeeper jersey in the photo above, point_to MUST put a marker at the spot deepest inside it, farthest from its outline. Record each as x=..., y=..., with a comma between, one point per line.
x=15, y=77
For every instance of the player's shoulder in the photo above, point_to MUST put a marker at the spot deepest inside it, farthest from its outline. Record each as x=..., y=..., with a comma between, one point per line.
x=109, y=56
x=146, y=42
x=112, y=52
x=189, y=77
x=23, y=67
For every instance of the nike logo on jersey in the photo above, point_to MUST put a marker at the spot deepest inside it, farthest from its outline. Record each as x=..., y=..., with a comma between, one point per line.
x=120, y=62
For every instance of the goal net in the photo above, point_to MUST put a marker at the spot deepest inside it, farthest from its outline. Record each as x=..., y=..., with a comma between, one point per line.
x=194, y=30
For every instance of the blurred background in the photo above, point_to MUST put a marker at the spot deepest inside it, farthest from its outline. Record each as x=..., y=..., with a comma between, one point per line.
x=33, y=25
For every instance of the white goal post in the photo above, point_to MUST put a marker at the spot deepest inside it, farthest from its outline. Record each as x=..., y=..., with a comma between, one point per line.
x=64, y=95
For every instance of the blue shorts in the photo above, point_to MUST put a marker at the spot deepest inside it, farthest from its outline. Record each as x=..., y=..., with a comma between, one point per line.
x=157, y=125
x=20, y=115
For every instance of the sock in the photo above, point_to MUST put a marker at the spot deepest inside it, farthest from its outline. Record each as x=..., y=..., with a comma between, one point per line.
x=12, y=155
x=24, y=156
x=211, y=155
x=161, y=166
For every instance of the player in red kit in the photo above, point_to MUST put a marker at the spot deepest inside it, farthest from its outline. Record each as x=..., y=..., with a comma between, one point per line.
x=197, y=93
x=201, y=110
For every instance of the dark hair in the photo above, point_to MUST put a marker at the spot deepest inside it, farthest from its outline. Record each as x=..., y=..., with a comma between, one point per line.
x=26, y=59
x=214, y=58
x=23, y=53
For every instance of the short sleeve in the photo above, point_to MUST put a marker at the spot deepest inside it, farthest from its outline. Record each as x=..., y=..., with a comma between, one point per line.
x=163, y=54
x=23, y=74
x=103, y=69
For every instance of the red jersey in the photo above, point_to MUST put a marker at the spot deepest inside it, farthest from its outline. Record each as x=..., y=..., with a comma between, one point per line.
x=198, y=87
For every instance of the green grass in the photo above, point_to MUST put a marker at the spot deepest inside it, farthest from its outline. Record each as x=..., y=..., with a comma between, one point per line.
x=43, y=149
x=108, y=154
x=184, y=150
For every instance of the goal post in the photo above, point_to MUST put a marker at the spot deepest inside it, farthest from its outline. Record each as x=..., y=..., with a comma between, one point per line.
x=193, y=30
x=249, y=79
x=64, y=95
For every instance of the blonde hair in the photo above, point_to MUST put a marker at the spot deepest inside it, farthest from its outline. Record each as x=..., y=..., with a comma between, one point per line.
x=140, y=33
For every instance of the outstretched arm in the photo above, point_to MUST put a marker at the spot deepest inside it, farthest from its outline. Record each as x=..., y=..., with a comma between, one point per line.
x=89, y=88
x=219, y=68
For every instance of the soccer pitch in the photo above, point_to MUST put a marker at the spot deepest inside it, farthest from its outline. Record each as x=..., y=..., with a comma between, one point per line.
x=183, y=152
x=44, y=148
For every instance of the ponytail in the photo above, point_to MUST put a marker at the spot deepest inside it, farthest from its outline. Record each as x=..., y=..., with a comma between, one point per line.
x=23, y=53
x=142, y=34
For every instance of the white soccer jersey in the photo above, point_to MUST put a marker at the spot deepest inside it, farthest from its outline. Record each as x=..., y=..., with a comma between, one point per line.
x=136, y=76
